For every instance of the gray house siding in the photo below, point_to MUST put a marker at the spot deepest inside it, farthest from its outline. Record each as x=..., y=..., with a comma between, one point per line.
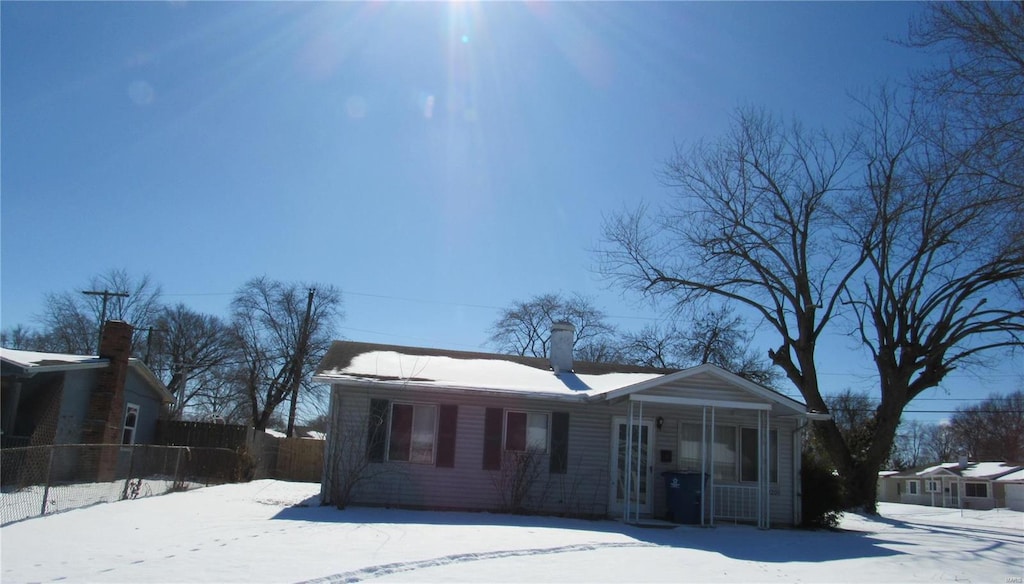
x=137, y=391
x=78, y=385
x=585, y=487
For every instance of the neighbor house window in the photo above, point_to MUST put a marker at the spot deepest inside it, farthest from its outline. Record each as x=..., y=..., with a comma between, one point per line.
x=131, y=423
x=722, y=449
x=911, y=487
x=749, y=464
x=932, y=487
x=976, y=490
x=413, y=433
x=526, y=431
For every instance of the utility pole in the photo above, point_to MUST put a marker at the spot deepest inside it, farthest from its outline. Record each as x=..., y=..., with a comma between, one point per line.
x=149, y=341
x=300, y=358
x=106, y=294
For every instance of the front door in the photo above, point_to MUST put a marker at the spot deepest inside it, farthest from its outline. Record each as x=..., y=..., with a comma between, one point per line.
x=631, y=465
x=954, y=494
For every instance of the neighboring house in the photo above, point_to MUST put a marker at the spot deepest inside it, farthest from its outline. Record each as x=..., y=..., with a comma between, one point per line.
x=50, y=398
x=1013, y=486
x=963, y=484
x=428, y=428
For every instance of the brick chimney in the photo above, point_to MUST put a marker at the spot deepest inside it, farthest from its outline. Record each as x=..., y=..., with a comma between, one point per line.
x=104, y=417
x=563, y=335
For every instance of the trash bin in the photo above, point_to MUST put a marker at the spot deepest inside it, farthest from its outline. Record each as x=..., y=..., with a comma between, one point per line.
x=683, y=490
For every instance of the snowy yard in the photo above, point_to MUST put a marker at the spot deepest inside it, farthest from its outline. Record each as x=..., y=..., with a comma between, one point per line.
x=254, y=533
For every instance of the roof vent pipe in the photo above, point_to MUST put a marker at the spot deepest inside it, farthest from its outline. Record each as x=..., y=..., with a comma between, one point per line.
x=563, y=335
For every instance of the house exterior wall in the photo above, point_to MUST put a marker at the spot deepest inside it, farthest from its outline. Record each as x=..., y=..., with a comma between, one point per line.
x=137, y=391
x=943, y=497
x=1014, y=496
x=74, y=405
x=585, y=487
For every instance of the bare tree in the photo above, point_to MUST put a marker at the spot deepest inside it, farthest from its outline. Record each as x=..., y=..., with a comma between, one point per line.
x=191, y=352
x=779, y=221
x=911, y=449
x=992, y=429
x=525, y=327
x=654, y=346
x=280, y=332
x=22, y=338
x=981, y=85
x=720, y=338
x=71, y=320
x=940, y=288
x=752, y=222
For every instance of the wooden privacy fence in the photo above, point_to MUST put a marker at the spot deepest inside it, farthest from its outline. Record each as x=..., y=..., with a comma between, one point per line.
x=289, y=459
x=178, y=433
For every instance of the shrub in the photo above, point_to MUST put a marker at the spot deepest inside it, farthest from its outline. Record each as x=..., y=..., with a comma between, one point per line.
x=822, y=494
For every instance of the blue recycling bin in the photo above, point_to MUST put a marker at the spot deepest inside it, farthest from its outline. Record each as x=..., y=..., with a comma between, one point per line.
x=683, y=491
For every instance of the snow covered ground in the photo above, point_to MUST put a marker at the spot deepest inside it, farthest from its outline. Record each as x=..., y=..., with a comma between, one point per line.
x=254, y=532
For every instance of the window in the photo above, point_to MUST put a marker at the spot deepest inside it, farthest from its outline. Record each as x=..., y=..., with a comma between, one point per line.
x=518, y=430
x=723, y=450
x=911, y=487
x=976, y=490
x=748, y=455
x=932, y=486
x=131, y=422
x=413, y=433
x=526, y=431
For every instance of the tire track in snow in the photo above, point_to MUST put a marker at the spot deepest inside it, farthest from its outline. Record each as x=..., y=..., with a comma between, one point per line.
x=397, y=567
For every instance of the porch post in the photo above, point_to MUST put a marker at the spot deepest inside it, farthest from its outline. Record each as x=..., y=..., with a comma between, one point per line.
x=768, y=468
x=639, y=460
x=703, y=461
x=629, y=460
x=712, y=465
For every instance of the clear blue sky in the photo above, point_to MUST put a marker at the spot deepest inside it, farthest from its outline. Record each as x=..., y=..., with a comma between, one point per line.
x=434, y=161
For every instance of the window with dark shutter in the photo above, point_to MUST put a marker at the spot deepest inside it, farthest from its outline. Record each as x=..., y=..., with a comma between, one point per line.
x=376, y=436
x=446, y=436
x=493, y=418
x=559, y=461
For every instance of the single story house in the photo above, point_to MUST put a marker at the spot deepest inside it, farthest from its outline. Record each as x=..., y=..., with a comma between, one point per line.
x=962, y=484
x=50, y=398
x=429, y=428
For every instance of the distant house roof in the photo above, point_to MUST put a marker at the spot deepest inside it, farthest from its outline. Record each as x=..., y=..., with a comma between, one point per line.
x=973, y=470
x=29, y=363
x=1013, y=477
x=400, y=366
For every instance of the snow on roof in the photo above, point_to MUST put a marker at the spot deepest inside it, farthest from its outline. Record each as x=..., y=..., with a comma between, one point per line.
x=1013, y=477
x=974, y=470
x=484, y=373
x=30, y=359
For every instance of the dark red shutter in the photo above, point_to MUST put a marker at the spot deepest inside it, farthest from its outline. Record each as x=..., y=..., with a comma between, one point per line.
x=447, y=422
x=376, y=435
x=492, y=438
x=559, y=461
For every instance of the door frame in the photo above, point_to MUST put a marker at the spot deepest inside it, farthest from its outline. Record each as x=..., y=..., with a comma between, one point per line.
x=615, y=506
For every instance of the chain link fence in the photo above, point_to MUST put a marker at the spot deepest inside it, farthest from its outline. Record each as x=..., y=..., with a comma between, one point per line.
x=40, y=480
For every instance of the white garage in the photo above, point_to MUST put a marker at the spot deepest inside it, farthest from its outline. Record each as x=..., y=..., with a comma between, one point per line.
x=1014, y=485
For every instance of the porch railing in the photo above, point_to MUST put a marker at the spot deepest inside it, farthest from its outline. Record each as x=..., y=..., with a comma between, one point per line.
x=736, y=502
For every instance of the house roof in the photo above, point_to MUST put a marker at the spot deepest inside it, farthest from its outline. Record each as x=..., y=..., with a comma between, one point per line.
x=973, y=470
x=28, y=363
x=32, y=362
x=1013, y=477
x=393, y=365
